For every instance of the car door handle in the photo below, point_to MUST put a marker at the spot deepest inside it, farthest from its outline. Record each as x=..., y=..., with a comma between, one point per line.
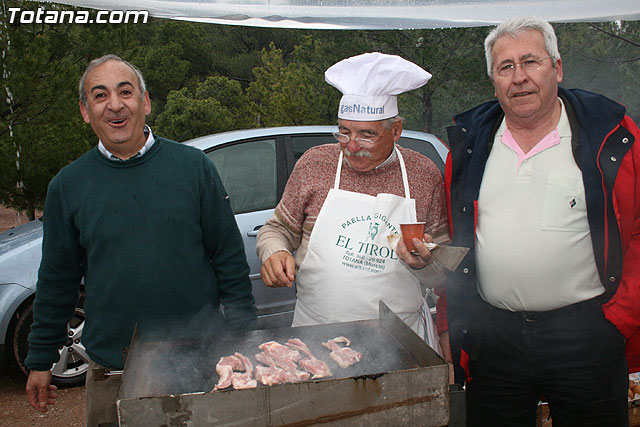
x=254, y=232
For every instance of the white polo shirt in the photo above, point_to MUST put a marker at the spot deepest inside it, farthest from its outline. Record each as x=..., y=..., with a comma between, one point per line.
x=533, y=244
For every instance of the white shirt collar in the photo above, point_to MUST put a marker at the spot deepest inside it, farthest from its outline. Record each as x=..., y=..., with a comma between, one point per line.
x=147, y=145
x=389, y=159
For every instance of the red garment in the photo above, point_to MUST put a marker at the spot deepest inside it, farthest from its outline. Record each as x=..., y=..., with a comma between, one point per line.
x=623, y=308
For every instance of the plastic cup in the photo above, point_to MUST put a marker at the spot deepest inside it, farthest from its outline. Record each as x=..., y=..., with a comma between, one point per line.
x=409, y=232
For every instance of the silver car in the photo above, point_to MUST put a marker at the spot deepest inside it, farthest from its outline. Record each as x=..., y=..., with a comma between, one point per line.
x=254, y=166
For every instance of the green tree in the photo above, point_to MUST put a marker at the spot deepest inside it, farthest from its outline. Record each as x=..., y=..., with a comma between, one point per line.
x=41, y=130
x=455, y=58
x=175, y=54
x=216, y=105
x=294, y=93
x=180, y=54
x=238, y=50
x=603, y=58
x=206, y=78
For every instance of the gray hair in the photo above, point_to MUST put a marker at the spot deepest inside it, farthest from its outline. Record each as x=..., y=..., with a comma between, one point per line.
x=513, y=27
x=100, y=61
x=390, y=121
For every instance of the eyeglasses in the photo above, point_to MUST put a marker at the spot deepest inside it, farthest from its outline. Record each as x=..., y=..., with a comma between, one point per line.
x=528, y=65
x=363, y=142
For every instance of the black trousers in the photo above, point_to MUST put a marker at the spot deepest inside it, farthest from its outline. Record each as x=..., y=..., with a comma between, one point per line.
x=572, y=356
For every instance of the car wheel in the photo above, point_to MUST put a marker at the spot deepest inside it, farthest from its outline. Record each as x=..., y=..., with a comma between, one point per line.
x=70, y=370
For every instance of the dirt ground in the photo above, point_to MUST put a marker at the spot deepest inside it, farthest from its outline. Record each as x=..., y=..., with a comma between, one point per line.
x=10, y=218
x=15, y=410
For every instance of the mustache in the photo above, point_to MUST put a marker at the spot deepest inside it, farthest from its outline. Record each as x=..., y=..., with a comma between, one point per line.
x=361, y=153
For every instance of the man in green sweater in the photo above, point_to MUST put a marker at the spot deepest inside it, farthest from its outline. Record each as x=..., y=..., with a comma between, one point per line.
x=148, y=225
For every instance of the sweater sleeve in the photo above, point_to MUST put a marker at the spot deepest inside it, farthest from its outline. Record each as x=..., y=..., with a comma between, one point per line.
x=224, y=245
x=275, y=236
x=59, y=278
x=436, y=225
x=283, y=231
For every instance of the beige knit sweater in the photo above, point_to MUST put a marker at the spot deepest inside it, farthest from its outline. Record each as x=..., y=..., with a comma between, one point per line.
x=313, y=176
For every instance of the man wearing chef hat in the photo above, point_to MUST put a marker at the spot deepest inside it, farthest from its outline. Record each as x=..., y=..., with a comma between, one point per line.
x=343, y=200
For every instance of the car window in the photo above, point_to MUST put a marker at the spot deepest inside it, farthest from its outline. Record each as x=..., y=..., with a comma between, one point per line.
x=302, y=143
x=248, y=172
x=423, y=147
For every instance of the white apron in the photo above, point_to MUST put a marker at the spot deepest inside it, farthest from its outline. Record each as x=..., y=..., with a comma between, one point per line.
x=349, y=264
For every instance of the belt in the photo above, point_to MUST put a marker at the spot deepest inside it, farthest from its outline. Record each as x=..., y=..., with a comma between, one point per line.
x=535, y=316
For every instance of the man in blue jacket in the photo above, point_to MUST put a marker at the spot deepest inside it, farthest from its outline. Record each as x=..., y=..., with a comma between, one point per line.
x=543, y=185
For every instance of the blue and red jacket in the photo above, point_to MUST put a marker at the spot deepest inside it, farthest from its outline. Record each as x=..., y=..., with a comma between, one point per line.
x=606, y=148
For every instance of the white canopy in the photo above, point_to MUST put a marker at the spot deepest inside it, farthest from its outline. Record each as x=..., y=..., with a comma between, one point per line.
x=372, y=14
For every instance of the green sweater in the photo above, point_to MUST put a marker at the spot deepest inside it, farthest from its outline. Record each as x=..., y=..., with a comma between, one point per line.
x=154, y=238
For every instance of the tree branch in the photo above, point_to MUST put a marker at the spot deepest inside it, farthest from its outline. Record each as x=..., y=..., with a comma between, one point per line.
x=606, y=61
x=636, y=44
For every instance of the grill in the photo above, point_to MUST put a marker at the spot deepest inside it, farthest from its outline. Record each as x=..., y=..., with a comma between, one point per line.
x=399, y=381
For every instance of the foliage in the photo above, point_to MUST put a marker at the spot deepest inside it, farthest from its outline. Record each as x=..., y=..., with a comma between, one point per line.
x=216, y=105
x=603, y=58
x=455, y=58
x=238, y=50
x=206, y=78
x=175, y=55
x=40, y=129
x=293, y=93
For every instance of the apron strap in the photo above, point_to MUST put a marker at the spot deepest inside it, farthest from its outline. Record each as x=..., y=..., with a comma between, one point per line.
x=403, y=169
x=405, y=179
x=336, y=182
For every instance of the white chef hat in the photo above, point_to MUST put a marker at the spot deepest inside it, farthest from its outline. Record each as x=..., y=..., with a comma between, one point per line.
x=370, y=84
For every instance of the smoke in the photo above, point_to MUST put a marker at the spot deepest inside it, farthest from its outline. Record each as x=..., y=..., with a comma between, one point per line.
x=178, y=356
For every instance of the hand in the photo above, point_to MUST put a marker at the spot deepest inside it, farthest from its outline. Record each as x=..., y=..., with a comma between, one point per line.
x=279, y=270
x=40, y=391
x=633, y=389
x=422, y=259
